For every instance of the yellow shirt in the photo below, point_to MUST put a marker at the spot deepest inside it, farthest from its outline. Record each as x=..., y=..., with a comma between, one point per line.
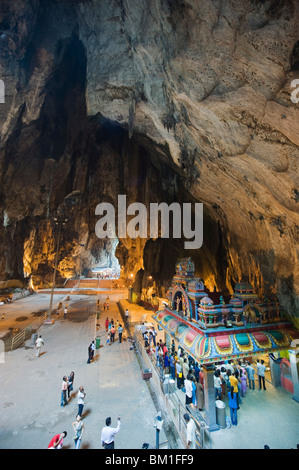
x=234, y=383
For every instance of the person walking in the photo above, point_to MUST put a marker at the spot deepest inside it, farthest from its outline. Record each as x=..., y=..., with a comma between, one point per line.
x=172, y=366
x=188, y=390
x=127, y=314
x=57, y=441
x=200, y=395
x=64, y=386
x=78, y=427
x=120, y=333
x=108, y=433
x=81, y=397
x=190, y=432
x=107, y=324
x=179, y=374
x=154, y=334
x=233, y=406
x=89, y=354
x=185, y=368
x=261, y=369
x=233, y=383
x=38, y=344
x=93, y=347
x=112, y=333
x=65, y=312
x=217, y=385
x=250, y=375
x=243, y=383
x=70, y=384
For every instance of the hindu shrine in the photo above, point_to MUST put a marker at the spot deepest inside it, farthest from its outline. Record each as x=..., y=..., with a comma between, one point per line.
x=214, y=326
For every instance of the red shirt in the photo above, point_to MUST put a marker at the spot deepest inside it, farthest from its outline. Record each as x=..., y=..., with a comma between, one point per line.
x=54, y=440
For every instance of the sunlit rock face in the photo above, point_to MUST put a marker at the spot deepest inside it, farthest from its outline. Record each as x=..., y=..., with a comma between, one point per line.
x=98, y=92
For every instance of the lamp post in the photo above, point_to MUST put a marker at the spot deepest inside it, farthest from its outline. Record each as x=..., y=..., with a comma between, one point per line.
x=59, y=221
x=81, y=244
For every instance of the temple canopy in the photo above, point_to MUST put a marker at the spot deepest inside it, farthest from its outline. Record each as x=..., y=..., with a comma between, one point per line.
x=219, y=345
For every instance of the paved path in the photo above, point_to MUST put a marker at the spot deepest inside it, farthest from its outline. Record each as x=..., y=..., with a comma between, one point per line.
x=30, y=387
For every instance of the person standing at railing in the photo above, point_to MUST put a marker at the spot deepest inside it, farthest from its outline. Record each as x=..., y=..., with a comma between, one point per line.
x=190, y=432
x=38, y=344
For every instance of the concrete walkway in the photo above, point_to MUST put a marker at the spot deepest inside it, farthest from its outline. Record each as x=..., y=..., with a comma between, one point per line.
x=30, y=387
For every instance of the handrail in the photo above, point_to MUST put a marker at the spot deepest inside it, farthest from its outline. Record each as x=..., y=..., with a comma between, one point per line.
x=21, y=335
x=201, y=428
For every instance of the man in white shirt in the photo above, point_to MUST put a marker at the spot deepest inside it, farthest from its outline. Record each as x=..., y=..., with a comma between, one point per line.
x=38, y=345
x=81, y=396
x=190, y=432
x=188, y=388
x=108, y=433
x=261, y=369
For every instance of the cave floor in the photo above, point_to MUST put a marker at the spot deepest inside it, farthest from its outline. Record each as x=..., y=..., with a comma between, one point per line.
x=30, y=390
x=31, y=387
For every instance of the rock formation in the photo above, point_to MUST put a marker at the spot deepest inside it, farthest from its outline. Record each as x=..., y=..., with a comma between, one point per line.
x=162, y=100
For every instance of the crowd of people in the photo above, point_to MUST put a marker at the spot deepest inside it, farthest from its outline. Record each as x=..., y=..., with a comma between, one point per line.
x=231, y=380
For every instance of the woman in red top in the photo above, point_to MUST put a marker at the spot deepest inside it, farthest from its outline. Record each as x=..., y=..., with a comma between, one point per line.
x=57, y=441
x=106, y=324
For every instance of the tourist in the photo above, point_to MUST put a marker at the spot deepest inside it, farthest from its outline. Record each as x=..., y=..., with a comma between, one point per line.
x=108, y=433
x=179, y=374
x=57, y=441
x=185, y=368
x=194, y=397
x=237, y=375
x=224, y=379
x=188, y=390
x=201, y=377
x=200, y=395
x=196, y=371
x=190, y=432
x=166, y=363
x=217, y=385
x=261, y=369
x=229, y=366
x=70, y=384
x=112, y=333
x=127, y=314
x=243, y=378
x=146, y=339
x=154, y=333
x=250, y=375
x=105, y=306
x=38, y=344
x=106, y=324
x=78, y=427
x=233, y=405
x=233, y=383
x=65, y=312
x=120, y=333
x=63, y=391
x=81, y=397
x=89, y=354
x=172, y=366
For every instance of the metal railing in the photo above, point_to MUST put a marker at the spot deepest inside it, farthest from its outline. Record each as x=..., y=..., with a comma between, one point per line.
x=24, y=334
x=202, y=433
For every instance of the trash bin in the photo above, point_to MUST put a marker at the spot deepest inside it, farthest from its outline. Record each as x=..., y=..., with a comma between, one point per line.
x=220, y=414
x=34, y=338
x=98, y=342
